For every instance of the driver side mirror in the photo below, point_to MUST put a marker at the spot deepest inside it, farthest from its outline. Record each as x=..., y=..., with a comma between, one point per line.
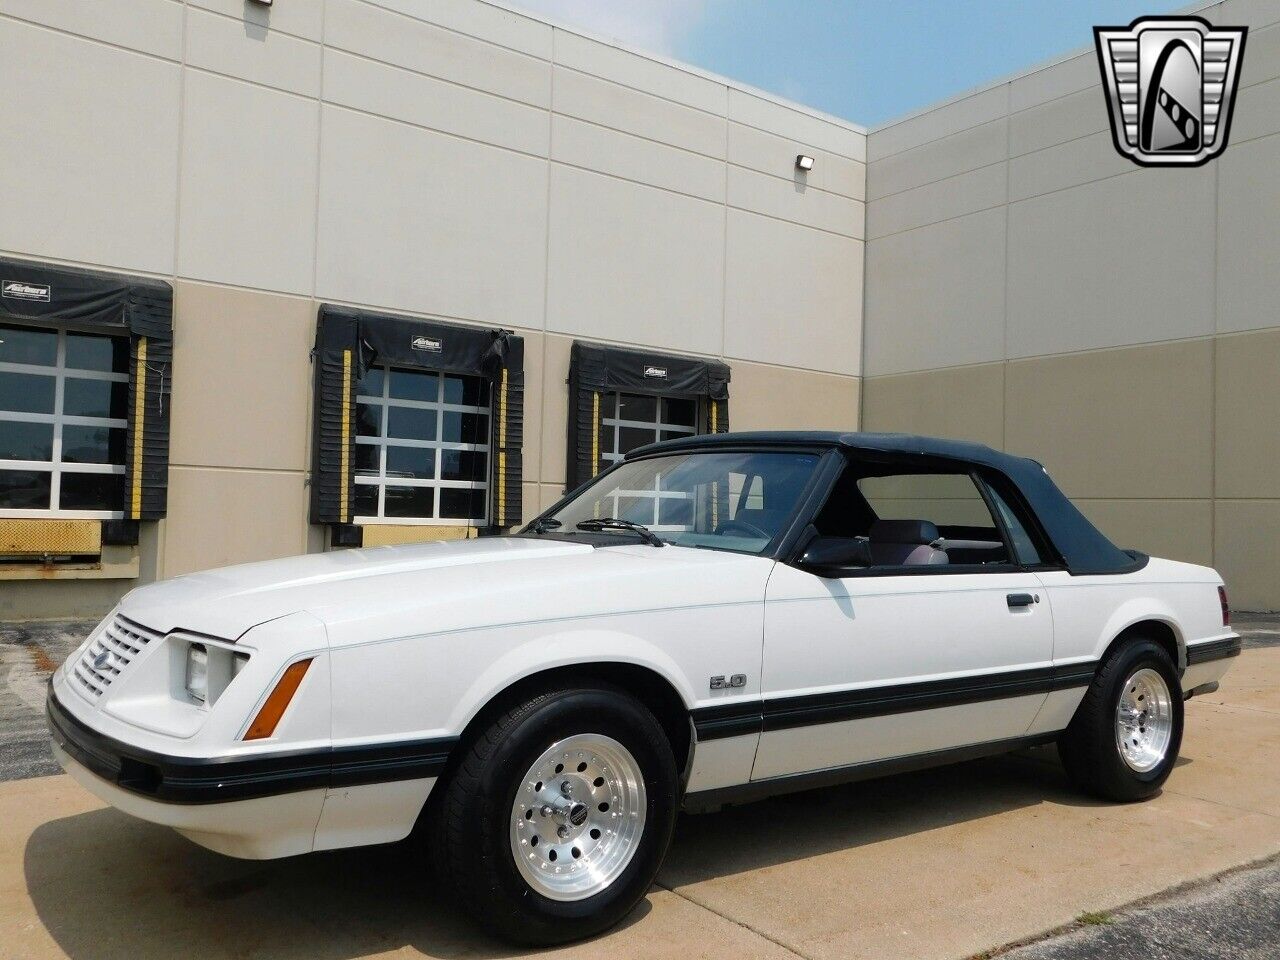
x=834, y=556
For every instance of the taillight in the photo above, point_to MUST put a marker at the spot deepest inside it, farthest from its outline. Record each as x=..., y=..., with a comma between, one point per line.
x=1226, y=610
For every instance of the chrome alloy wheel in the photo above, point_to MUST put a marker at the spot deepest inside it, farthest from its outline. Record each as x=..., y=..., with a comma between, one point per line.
x=578, y=817
x=1144, y=720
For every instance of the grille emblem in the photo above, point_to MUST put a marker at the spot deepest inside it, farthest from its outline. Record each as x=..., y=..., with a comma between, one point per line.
x=101, y=660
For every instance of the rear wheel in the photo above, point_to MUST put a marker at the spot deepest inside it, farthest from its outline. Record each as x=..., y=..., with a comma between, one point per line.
x=1124, y=739
x=558, y=817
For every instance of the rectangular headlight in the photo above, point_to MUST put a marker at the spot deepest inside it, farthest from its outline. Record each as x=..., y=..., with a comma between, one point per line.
x=198, y=672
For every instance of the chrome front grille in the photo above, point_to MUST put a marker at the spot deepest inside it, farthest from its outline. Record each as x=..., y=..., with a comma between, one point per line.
x=109, y=654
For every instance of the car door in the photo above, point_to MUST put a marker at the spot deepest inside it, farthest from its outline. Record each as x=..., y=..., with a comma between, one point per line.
x=912, y=655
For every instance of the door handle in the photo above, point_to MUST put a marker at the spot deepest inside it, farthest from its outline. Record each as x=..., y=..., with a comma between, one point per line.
x=1021, y=600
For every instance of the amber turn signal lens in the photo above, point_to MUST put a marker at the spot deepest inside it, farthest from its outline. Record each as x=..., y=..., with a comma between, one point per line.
x=264, y=724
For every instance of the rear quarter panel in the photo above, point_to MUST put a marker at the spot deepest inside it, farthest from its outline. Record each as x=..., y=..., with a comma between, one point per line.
x=1089, y=612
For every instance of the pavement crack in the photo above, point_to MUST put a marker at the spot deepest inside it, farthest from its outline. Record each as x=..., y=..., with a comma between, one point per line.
x=734, y=920
x=1219, y=803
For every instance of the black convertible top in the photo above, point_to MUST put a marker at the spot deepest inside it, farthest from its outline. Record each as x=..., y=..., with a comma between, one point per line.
x=1081, y=545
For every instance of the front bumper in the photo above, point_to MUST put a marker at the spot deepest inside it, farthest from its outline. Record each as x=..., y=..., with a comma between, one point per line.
x=185, y=780
x=174, y=779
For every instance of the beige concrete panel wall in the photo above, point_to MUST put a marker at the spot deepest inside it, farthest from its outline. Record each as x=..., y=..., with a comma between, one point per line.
x=43, y=599
x=1247, y=552
x=271, y=57
x=632, y=111
x=89, y=157
x=298, y=18
x=962, y=403
x=142, y=25
x=795, y=200
x=1128, y=424
x=969, y=110
x=421, y=221
x=793, y=295
x=776, y=155
x=555, y=409
x=956, y=196
x=481, y=20
x=593, y=147
x=1174, y=529
x=1248, y=234
x=1083, y=273
x=631, y=263
x=219, y=517
x=1059, y=121
x=424, y=101
x=1247, y=416
x=248, y=193
x=403, y=41
x=753, y=111
x=241, y=378
x=935, y=296
x=639, y=72
x=763, y=397
x=962, y=152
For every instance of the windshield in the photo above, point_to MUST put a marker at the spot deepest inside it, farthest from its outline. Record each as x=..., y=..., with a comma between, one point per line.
x=723, y=501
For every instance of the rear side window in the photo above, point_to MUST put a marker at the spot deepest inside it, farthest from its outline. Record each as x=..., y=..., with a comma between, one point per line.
x=1023, y=544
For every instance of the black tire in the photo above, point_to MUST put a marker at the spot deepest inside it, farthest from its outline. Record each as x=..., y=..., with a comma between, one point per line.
x=473, y=836
x=1088, y=746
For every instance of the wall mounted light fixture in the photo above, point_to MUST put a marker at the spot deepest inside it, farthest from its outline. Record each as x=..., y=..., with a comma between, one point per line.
x=804, y=163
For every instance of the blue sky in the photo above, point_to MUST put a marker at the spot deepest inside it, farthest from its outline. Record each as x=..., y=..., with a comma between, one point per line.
x=865, y=60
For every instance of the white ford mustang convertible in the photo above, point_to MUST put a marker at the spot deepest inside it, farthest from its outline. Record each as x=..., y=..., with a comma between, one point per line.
x=712, y=620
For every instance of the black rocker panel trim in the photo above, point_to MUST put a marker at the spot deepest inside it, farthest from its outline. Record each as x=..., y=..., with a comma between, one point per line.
x=773, y=786
x=718, y=722
x=217, y=780
x=1213, y=650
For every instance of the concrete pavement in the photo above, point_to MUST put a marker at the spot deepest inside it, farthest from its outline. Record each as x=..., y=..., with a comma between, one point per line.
x=948, y=863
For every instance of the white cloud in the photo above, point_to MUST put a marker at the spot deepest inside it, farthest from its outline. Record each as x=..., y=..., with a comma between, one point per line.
x=655, y=25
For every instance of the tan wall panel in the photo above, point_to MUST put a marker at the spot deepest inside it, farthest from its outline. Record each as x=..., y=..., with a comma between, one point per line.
x=242, y=378
x=1247, y=552
x=777, y=398
x=1174, y=529
x=962, y=403
x=1117, y=423
x=221, y=517
x=42, y=600
x=1247, y=416
x=555, y=410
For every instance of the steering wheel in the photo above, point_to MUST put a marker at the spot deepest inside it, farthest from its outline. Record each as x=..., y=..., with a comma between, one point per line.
x=751, y=529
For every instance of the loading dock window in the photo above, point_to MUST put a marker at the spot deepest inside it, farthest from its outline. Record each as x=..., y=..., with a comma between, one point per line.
x=634, y=420
x=422, y=447
x=622, y=399
x=64, y=399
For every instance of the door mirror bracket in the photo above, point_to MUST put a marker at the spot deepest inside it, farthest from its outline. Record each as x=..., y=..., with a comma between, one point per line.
x=834, y=557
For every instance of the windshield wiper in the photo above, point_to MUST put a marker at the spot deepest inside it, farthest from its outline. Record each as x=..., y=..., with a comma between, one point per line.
x=613, y=523
x=545, y=524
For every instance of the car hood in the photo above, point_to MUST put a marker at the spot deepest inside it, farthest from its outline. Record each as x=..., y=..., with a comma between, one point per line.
x=441, y=587
x=228, y=601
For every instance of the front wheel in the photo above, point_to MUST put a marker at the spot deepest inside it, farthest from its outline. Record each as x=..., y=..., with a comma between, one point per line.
x=1124, y=739
x=559, y=815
